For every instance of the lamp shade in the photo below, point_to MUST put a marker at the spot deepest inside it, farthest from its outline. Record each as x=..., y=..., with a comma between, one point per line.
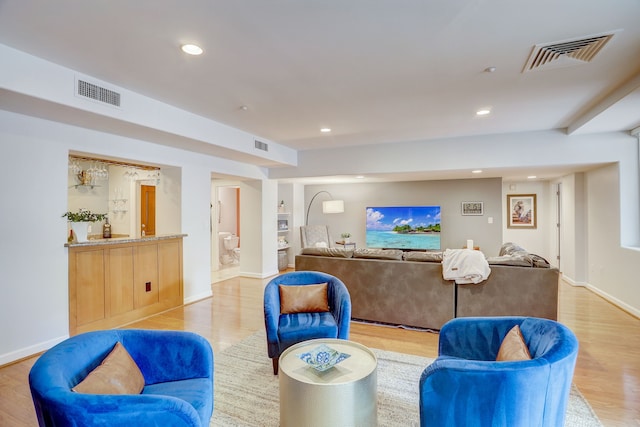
x=333, y=206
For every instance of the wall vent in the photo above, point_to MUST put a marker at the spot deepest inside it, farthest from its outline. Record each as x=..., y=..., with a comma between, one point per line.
x=566, y=53
x=261, y=145
x=97, y=93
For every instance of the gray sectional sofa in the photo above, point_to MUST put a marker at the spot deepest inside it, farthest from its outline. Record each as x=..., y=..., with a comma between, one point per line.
x=407, y=288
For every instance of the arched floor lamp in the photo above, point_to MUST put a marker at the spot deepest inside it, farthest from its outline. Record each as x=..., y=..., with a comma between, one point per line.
x=329, y=206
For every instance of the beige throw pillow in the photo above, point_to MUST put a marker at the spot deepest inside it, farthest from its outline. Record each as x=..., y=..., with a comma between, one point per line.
x=304, y=298
x=513, y=346
x=117, y=374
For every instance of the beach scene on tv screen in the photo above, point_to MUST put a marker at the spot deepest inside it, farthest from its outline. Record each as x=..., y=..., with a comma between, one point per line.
x=403, y=227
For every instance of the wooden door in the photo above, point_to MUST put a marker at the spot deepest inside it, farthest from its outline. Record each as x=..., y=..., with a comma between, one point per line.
x=148, y=210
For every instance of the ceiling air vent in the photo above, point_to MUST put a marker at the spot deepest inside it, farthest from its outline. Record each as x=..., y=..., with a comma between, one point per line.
x=566, y=53
x=261, y=145
x=97, y=93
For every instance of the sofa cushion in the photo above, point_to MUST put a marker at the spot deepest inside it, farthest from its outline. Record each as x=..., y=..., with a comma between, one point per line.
x=517, y=261
x=429, y=256
x=117, y=374
x=331, y=252
x=304, y=298
x=395, y=254
x=513, y=347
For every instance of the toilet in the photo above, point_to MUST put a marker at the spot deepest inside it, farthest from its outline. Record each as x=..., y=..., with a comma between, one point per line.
x=230, y=252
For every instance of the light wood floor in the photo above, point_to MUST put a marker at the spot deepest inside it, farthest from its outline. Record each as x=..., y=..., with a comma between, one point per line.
x=607, y=371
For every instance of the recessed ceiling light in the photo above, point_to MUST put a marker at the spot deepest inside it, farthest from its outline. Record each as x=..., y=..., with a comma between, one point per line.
x=532, y=177
x=325, y=130
x=191, y=49
x=477, y=171
x=483, y=112
x=360, y=177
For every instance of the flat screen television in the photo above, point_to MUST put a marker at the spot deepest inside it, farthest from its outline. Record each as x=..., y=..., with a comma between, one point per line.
x=403, y=227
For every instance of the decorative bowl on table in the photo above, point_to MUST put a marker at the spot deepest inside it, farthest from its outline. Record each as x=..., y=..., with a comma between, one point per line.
x=323, y=357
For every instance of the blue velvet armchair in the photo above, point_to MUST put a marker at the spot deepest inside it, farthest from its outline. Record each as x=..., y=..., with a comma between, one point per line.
x=285, y=330
x=465, y=386
x=177, y=368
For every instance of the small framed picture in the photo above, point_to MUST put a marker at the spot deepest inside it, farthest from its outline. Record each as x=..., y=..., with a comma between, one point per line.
x=521, y=211
x=472, y=208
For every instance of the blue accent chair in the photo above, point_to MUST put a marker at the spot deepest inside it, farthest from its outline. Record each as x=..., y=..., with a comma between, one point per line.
x=285, y=330
x=465, y=386
x=177, y=367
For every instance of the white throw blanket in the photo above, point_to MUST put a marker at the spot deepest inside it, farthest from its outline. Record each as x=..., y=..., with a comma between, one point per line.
x=465, y=266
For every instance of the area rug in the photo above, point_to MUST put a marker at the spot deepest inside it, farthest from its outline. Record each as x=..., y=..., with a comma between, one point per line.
x=246, y=391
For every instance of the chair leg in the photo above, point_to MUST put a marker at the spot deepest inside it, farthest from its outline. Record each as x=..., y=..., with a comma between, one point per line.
x=275, y=365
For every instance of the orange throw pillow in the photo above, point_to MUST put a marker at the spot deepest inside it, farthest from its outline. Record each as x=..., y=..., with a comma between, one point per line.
x=117, y=374
x=513, y=346
x=304, y=298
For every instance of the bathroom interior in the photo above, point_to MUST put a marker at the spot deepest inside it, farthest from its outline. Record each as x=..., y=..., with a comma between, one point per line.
x=225, y=229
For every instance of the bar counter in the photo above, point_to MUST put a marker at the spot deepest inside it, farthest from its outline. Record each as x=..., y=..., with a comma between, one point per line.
x=119, y=280
x=96, y=241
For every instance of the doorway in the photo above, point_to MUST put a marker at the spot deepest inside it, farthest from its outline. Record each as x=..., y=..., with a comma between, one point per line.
x=225, y=230
x=147, y=210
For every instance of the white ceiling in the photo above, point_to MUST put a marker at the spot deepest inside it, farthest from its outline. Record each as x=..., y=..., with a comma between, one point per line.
x=374, y=71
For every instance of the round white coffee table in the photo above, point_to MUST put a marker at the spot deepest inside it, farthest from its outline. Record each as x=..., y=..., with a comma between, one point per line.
x=344, y=395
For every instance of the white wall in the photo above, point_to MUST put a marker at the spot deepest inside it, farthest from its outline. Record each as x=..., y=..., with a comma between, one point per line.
x=33, y=259
x=613, y=269
x=533, y=240
x=258, y=225
x=448, y=194
x=227, y=196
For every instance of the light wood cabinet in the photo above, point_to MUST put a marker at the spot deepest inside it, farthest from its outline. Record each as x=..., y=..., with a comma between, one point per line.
x=113, y=283
x=120, y=279
x=145, y=273
x=89, y=276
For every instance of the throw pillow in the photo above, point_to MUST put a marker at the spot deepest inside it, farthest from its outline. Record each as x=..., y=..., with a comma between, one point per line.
x=117, y=374
x=304, y=298
x=513, y=346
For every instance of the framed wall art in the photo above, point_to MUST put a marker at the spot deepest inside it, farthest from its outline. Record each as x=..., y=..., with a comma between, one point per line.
x=472, y=208
x=521, y=211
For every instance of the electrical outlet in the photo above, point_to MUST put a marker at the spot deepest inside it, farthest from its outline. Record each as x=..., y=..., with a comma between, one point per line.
x=148, y=286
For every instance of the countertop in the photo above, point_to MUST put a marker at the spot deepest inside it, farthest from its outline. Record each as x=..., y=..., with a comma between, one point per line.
x=121, y=240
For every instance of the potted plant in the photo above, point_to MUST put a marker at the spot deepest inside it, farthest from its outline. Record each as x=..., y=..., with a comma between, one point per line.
x=345, y=237
x=80, y=222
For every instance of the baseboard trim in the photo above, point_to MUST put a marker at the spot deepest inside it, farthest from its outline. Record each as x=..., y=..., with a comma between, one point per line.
x=198, y=297
x=609, y=298
x=25, y=353
x=615, y=301
x=258, y=275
